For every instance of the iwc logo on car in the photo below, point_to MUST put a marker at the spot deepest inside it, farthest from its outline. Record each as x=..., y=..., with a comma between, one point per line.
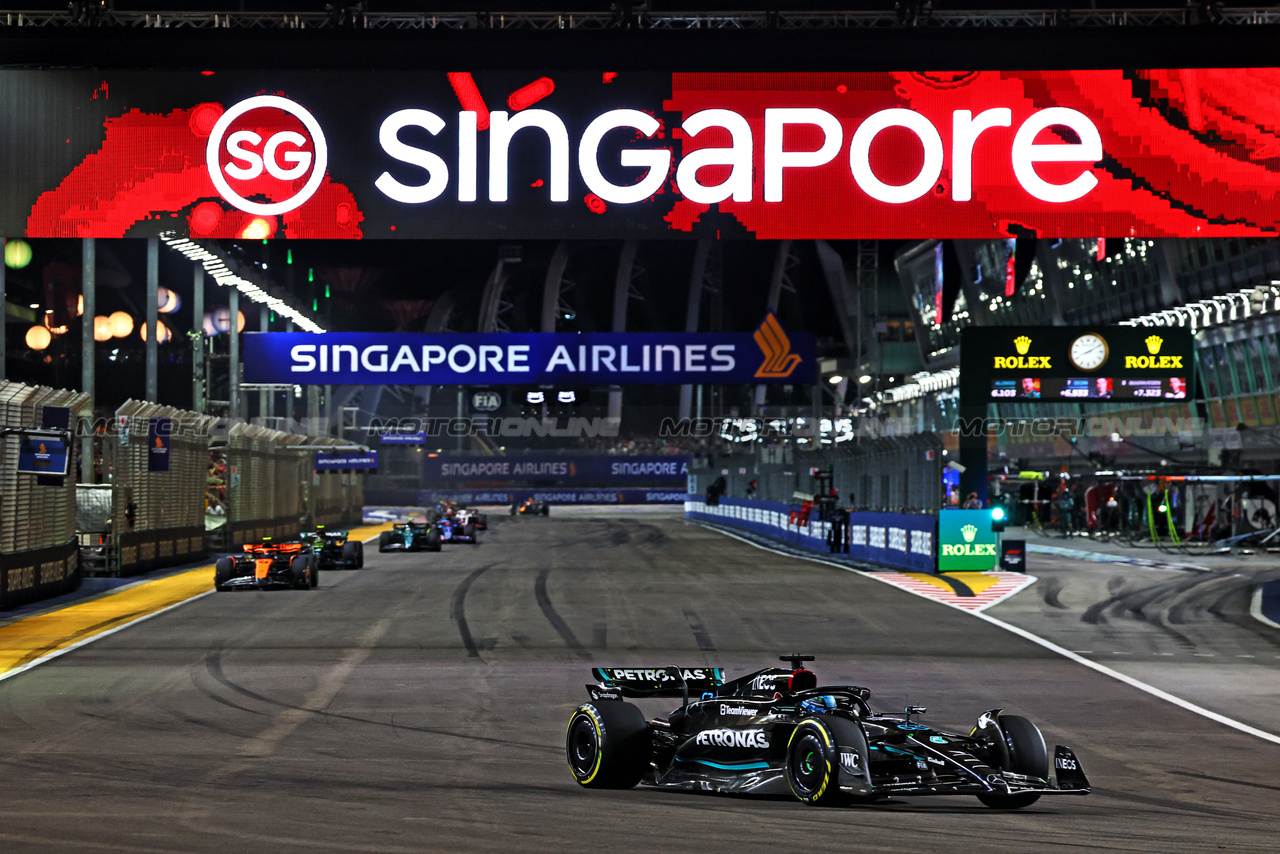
x=266, y=147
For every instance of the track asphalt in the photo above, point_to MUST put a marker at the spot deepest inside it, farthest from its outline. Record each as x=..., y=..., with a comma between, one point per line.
x=420, y=704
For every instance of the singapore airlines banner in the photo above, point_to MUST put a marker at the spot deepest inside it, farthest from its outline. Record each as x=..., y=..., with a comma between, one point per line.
x=769, y=355
x=964, y=154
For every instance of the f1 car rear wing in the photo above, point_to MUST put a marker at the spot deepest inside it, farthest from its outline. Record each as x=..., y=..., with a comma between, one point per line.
x=659, y=681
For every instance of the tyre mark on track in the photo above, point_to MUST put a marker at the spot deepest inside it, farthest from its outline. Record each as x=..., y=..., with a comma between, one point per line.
x=213, y=663
x=459, y=611
x=553, y=617
x=699, y=632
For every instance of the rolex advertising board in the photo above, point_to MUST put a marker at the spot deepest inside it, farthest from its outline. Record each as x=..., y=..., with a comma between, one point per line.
x=966, y=542
x=1096, y=364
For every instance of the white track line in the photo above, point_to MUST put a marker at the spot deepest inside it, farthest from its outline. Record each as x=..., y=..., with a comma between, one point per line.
x=36, y=662
x=1036, y=639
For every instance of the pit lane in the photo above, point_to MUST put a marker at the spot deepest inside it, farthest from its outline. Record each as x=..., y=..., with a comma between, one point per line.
x=420, y=704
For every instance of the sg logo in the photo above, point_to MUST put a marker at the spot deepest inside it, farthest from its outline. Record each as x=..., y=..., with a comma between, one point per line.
x=236, y=152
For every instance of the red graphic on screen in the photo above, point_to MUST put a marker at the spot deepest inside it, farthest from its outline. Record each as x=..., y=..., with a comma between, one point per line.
x=527, y=96
x=1184, y=152
x=464, y=86
x=153, y=167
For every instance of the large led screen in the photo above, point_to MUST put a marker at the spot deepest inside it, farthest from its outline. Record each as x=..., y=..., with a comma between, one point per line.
x=965, y=154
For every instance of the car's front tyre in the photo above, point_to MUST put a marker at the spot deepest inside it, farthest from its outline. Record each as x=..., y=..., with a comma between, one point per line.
x=1027, y=755
x=608, y=745
x=812, y=757
x=223, y=571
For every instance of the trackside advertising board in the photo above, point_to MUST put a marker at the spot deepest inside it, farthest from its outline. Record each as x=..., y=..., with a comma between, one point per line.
x=768, y=355
x=581, y=469
x=903, y=540
x=966, y=542
x=538, y=154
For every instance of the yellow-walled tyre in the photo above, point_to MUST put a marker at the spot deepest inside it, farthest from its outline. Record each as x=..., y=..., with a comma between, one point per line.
x=608, y=745
x=812, y=757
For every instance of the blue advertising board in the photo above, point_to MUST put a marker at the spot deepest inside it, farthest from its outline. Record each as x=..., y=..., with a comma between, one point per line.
x=903, y=540
x=568, y=468
x=42, y=455
x=159, y=431
x=427, y=497
x=767, y=355
x=354, y=460
x=419, y=438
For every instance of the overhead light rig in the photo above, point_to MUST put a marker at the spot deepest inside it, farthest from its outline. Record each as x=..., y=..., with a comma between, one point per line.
x=229, y=273
x=638, y=16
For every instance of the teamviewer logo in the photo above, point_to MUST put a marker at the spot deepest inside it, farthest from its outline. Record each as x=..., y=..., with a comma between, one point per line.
x=779, y=361
x=266, y=147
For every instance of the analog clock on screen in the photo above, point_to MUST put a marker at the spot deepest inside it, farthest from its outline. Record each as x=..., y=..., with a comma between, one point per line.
x=1088, y=352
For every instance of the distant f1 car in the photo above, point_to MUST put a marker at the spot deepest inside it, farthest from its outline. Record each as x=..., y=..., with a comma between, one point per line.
x=410, y=537
x=466, y=515
x=529, y=507
x=334, y=550
x=775, y=731
x=266, y=565
x=453, y=529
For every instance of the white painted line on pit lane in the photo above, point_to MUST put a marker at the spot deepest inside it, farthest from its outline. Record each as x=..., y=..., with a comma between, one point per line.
x=1047, y=644
x=1255, y=610
x=36, y=662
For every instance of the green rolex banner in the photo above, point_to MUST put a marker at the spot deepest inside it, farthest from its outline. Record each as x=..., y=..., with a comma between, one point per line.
x=966, y=542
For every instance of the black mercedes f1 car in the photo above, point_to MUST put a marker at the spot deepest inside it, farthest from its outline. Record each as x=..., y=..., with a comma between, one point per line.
x=776, y=731
x=334, y=549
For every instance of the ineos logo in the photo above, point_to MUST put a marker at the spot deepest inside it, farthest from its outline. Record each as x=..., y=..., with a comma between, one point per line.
x=282, y=157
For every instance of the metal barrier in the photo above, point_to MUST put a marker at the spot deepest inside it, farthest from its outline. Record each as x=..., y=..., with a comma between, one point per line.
x=157, y=517
x=273, y=491
x=901, y=540
x=38, y=550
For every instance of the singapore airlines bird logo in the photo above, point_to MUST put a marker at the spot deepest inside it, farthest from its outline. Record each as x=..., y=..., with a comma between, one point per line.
x=779, y=361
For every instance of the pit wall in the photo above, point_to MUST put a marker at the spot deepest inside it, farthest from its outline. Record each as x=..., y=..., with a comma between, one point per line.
x=899, y=540
x=39, y=556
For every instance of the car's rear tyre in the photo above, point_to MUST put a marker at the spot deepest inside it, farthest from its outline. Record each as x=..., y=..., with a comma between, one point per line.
x=223, y=571
x=359, y=555
x=351, y=554
x=546, y=509
x=482, y=520
x=298, y=569
x=812, y=759
x=314, y=566
x=608, y=745
x=513, y=510
x=384, y=540
x=469, y=533
x=433, y=540
x=1027, y=755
